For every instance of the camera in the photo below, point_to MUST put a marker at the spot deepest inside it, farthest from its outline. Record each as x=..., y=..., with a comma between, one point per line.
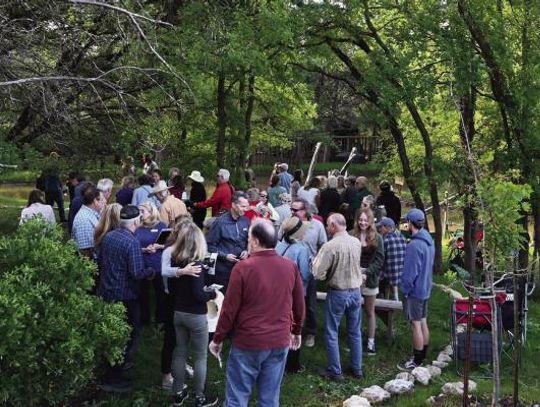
x=209, y=263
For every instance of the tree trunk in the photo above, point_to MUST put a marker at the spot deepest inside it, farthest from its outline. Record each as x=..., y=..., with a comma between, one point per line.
x=250, y=102
x=222, y=121
x=536, y=219
x=399, y=139
x=467, y=132
x=470, y=228
x=433, y=190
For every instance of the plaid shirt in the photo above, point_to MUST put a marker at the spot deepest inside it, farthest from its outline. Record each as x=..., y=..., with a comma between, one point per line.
x=84, y=224
x=394, y=250
x=121, y=266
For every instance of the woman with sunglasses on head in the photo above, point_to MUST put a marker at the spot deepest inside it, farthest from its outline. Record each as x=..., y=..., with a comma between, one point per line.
x=371, y=261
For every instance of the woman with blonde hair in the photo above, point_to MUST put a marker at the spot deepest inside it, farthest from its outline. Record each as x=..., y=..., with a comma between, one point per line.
x=108, y=220
x=371, y=261
x=147, y=235
x=169, y=337
x=190, y=297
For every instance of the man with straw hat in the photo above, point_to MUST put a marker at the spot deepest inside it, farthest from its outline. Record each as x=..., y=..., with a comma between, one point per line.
x=171, y=207
x=197, y=194
x=292, y=247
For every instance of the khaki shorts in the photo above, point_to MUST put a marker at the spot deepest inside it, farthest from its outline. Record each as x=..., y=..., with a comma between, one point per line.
x=370, y=291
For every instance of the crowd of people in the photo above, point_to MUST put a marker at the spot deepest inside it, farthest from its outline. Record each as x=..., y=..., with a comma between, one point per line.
x=258, y=258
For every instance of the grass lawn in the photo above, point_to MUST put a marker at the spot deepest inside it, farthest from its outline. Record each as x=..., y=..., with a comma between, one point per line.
x=309, y=389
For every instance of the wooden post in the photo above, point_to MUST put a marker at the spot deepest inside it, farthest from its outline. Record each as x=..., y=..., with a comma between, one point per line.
x=312, y=164
x=344, y=169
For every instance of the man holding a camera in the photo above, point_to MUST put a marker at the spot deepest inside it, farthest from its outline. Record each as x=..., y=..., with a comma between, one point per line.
x=228, y=238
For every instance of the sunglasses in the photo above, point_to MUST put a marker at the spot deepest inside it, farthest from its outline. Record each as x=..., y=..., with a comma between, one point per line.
x=296, y=209
x=263, y=196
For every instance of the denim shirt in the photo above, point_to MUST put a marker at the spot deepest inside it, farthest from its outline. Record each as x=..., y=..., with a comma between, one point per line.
x=298, y=253
x=227, y=236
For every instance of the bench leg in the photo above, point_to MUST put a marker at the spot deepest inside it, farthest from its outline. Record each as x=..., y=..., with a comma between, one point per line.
x=390, y=331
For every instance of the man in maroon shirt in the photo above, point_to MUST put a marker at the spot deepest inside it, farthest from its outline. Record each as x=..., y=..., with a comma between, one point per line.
x=265, y=306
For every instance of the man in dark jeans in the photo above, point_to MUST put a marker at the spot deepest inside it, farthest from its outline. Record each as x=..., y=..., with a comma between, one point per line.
x=121, y=266
x=53, y=191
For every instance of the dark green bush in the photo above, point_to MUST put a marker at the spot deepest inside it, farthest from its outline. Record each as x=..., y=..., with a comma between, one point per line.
x=53, y=333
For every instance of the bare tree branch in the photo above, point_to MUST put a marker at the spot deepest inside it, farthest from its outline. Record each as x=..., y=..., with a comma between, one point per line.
x=76, y=78
x=121, y=10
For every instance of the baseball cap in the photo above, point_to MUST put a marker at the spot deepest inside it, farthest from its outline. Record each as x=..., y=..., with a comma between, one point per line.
x=415, y=215
x=386, y=221
x=129, y=212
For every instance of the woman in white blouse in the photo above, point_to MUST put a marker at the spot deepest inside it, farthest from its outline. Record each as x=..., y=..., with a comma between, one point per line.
x=311, y=194
x=36, y=207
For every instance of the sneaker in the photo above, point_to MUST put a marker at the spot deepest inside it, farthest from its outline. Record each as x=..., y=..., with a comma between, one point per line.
x=123, y=386
x=309, y=341
x=300, y=369
x=370, y=351
x=205, y=401
x=167, y=382
x=408, y=365
x=179, y=398
x=189, y=371
x=330, y=375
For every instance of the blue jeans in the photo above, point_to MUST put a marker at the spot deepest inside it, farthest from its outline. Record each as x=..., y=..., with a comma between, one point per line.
x=339, y=303
x=244, y=368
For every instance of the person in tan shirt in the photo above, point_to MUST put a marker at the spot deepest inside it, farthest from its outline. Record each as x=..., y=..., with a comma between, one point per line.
x=338, y=263
x=171, y=207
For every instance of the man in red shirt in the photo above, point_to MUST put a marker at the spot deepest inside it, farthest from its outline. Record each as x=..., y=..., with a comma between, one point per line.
x=220, y=201
x=265, y=306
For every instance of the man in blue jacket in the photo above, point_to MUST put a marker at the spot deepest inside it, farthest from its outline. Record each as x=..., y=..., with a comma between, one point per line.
x=416, y=285
x=228, y=238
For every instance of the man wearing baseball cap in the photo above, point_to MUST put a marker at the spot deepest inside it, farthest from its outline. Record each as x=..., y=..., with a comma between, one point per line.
x=416, y=285
x=394, y=253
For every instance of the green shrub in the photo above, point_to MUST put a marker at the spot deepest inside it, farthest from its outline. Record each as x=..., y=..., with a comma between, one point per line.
x=54, y=333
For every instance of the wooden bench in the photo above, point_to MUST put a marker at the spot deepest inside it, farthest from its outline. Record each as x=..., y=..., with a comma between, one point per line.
x=385, y=309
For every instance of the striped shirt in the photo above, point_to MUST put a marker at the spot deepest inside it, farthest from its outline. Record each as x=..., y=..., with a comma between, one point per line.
x=394, y=253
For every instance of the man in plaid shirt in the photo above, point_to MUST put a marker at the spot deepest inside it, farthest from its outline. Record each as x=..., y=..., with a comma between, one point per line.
x=394, y=253
x=122, y=268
